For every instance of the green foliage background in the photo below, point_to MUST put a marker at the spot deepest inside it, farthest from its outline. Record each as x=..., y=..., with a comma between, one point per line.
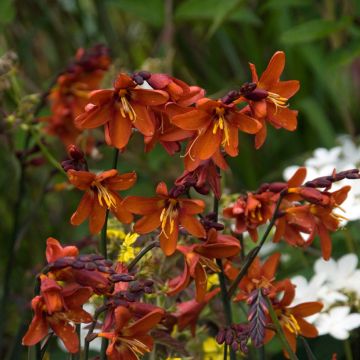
x=204, y=42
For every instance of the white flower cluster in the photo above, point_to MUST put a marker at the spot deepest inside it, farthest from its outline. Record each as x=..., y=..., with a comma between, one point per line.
x=343, y=157
x=337, y=285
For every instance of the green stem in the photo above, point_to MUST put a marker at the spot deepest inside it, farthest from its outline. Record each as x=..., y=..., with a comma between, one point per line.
x=308, y=350
x=224, y=293
x=279, y=331
x=11, y=247
x=142, y=253
x=347, y=350
x=103, y=246
x=225, y=351
x=253, y=253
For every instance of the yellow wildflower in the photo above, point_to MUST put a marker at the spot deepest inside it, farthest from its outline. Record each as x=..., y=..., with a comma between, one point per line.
x=212, y=280
x=127, y=251
x=212, y=350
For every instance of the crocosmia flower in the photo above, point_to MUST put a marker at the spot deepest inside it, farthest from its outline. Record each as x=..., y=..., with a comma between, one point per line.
x=100, y=195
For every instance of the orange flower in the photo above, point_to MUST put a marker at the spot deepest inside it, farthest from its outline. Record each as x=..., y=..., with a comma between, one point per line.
x=313, y=219
x=217, y=125
x=250, y=212
x=58, y=308
x=188, y=312
x=166, y=211
x=200, y=256
x=129, y=341
x=72, y=89
x=268, y=100
x=292, y=320
x=258, y=276
x=120, y=109
x=100, y=195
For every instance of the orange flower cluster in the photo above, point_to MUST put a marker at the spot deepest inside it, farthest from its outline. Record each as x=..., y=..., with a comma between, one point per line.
x=304, y=209
x=70, y=280
x=71, y=92
x=169, y=111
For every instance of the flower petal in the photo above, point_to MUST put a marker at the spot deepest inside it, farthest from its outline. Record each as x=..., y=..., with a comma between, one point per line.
x=149, y=97
x=286, y=89
x=83, y=210
x=146, y=323
x=148, y=223
x=192, y=225
x=272, y=73
x=119, y=129
x=96, y=217
x=143, y=120
x=67, y=333
x=142, y=205
x=192, y=120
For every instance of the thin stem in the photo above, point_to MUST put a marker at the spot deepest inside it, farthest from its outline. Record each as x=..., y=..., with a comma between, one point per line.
x=347, y=349
x=225, y=351
x=224, y=294
x=279, y=331
x=253, y=253
x=103, y=247
x=98, y=312
x=309, y=353
x=11, y=253
x=142, y=253
x=45, y=346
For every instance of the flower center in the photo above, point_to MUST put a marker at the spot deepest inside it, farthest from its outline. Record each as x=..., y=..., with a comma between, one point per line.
x=135, y=345
x=277, y=100
x=105, y=197
x=126, y=108
x=204, y=261
x=169, y=213
x=289, y=321
x=220, y=123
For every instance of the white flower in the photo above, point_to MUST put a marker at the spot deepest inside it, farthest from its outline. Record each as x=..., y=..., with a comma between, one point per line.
x=323, y=157
x=338, y=322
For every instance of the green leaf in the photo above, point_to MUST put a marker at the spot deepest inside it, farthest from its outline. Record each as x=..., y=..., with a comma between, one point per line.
x=346, y=55
x=7, y=11
x=281, y=4
x=317, y=119
x=151, y=12
x=313, y=30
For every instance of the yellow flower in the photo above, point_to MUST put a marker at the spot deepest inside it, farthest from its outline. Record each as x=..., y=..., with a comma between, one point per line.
x=212, y=350
x=127, y=251
x=212, y=280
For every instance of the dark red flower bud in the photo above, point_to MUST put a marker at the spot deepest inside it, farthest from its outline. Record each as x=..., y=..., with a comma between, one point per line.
x=229, y=337
x=75, y=153
x=121, y=277
x=277, y=186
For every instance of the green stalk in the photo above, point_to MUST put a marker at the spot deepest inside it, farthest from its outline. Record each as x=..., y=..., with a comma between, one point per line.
x=279, y=331
x=224, y=293
x=253, y=253
x=103, y=247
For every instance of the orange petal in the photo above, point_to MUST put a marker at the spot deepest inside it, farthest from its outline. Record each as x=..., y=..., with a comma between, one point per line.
x=119, y=130
x=168, y=240
x=124, y=81
x=148, y=223
x=192, y=225
x=232, y=147
x=38, y=329
x=108, y=174
x=67, y=333
x=291, y=339
x=254, y=75
x=79, y=316
x=200, y=283
x=122, y=181
x=282, y=117
x=306, y=309
x=81, y=179
x=307, y=329
x=121, y=213
x=245, y=123
x=83, y=210
x=161, y=189
x=273, y=71
x=54, y=250
x=206, y=144
x=192, y=206
x=192, y=120
x=146, y=323
x=97, y=217
x=325, y=242
x=260, y=136
x=286, y=89
x=93, y=118
x=270, y=266
x=149, y=97
x=99, y=97
x=122, y=317
x=142, y=205
x=180, y=283
x=298, y=178
x=143, y=121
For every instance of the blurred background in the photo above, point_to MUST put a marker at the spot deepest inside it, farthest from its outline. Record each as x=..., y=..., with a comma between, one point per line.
x=204, y=42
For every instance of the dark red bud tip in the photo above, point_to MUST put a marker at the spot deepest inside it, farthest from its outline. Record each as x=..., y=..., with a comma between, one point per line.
x=138, y=79
x=229, y=337
x=144, y=74
x=75, y=153
x=121, y=277
x=277, y=187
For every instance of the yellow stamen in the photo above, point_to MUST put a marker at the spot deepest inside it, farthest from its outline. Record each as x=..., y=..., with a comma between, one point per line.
x=169, y=213
x=104, y=196
x=220, y=123
x=135, y=345
x=209, y=263
x=191, y=146
x=126, y=108
x=277, y=100
x=290, y=323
